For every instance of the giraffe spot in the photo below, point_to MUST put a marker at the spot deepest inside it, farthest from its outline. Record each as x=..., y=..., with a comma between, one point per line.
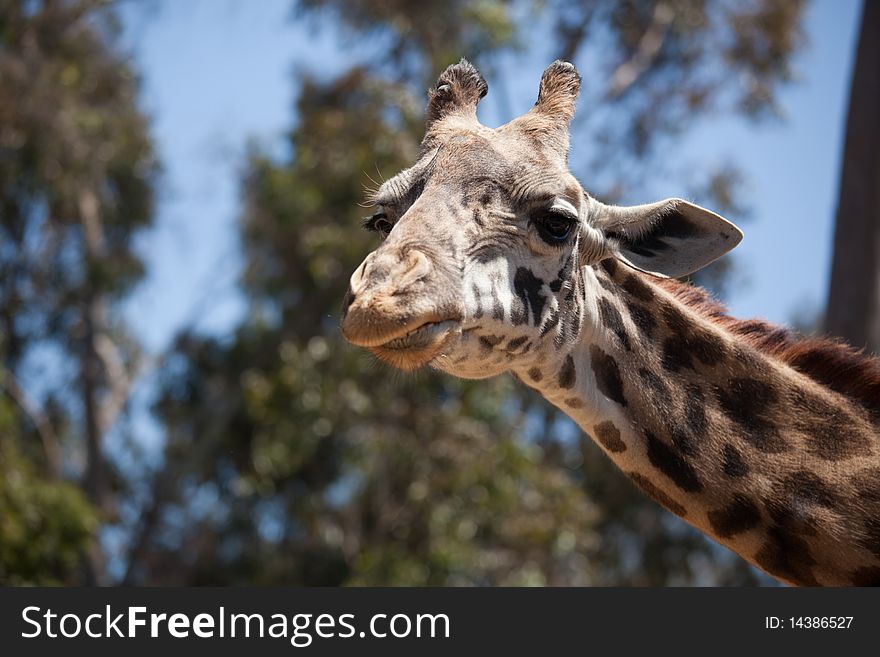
x=695, y=409
x=870, y=538
x=527, y=287
x=684, y=441
x=516, y=342
x=749, y=403
x=788, y=557
x=867, y=486
x=656, y=494
x=519, y=313
x=733, y=463
x=865, y=576
x=670, y=463
x=606, y=283
x=831, y=433
x=489, y=341
x=692, y=339
x=607, y=375
x=739, y=516
x=656, y=387
x=559, y=338
x=567, y=375
x=675, y=355
x=609, y=265
x=551, y=322
x=641, y=317
x=572, y=310
x=637, y=288
x=569, y=322
x=609, y=436
x=478, y=313
x=807, y=487
x=610, y=317
x=796, y=518
x=497, y=307
x=563, y=275
x=535, y=374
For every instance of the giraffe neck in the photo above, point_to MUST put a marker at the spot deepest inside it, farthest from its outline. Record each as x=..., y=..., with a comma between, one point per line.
x=768, y=462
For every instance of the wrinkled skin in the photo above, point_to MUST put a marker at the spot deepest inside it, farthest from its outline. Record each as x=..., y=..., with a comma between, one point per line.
x=487, y=239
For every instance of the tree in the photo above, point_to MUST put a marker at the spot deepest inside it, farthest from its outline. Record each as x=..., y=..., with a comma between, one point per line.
x=853, y=310
x=76, y=181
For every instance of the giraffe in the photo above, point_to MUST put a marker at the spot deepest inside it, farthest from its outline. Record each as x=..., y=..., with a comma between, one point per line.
x=493, y=258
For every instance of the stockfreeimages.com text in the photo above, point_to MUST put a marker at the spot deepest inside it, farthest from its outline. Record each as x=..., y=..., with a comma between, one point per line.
x=300, y=629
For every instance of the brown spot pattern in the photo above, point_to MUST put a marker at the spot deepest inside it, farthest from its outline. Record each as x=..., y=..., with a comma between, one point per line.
x=609, y=436
x=657, y=388
x=670, y=463
x=688, y=341
x=788, y=557
x=641, y=317
x=740, y=515
x=833, y=364
x=611, y=319
x=637, y=288
x=733, y=463
x=749, y=403
x=607, y=375
x=567, y=374
x=831, y=433
x=866, y=576
x=656, y=494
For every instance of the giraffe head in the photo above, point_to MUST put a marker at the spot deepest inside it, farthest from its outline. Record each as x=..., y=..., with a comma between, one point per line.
x=487, y=237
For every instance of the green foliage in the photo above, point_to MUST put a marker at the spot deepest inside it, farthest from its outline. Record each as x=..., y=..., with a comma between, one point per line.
x=424, y=37
x=76, y=182
x=45, y=526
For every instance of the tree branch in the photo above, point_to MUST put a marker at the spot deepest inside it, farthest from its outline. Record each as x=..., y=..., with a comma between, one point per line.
x=38, y=418
x=631, y=70
x=119, y=381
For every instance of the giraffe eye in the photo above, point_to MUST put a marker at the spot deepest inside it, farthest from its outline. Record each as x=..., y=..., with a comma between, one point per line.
x=553, y=226
x=379, y=223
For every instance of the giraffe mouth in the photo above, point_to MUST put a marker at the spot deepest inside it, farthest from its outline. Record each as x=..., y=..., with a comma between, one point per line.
x=418, y=346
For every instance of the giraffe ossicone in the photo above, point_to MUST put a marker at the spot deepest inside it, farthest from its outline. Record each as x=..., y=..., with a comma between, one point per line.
x=495, y=259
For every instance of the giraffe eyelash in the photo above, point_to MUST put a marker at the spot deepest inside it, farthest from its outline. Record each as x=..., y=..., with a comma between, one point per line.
x=377, y=223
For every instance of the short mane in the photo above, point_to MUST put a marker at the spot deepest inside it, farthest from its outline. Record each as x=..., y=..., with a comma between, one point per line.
x=828, y=361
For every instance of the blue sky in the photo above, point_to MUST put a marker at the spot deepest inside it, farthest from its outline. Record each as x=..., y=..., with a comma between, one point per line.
x=219, y=73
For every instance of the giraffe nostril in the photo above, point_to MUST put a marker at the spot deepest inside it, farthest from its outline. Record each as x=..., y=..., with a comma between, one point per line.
x=415, y=268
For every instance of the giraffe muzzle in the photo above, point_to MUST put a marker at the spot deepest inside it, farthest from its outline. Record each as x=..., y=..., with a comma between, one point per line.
x=395, y=304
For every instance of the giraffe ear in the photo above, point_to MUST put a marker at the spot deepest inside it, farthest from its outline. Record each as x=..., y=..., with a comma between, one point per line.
x=458, y=90
x=554, y=109
x=671, y=238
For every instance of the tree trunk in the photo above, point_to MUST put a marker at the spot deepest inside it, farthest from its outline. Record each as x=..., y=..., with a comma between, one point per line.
x=853, y=310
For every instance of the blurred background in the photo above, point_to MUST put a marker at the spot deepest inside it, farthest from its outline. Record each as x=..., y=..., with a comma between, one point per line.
x=179, y=215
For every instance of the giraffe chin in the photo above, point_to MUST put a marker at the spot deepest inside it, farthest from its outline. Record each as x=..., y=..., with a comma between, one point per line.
x=417, y=348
